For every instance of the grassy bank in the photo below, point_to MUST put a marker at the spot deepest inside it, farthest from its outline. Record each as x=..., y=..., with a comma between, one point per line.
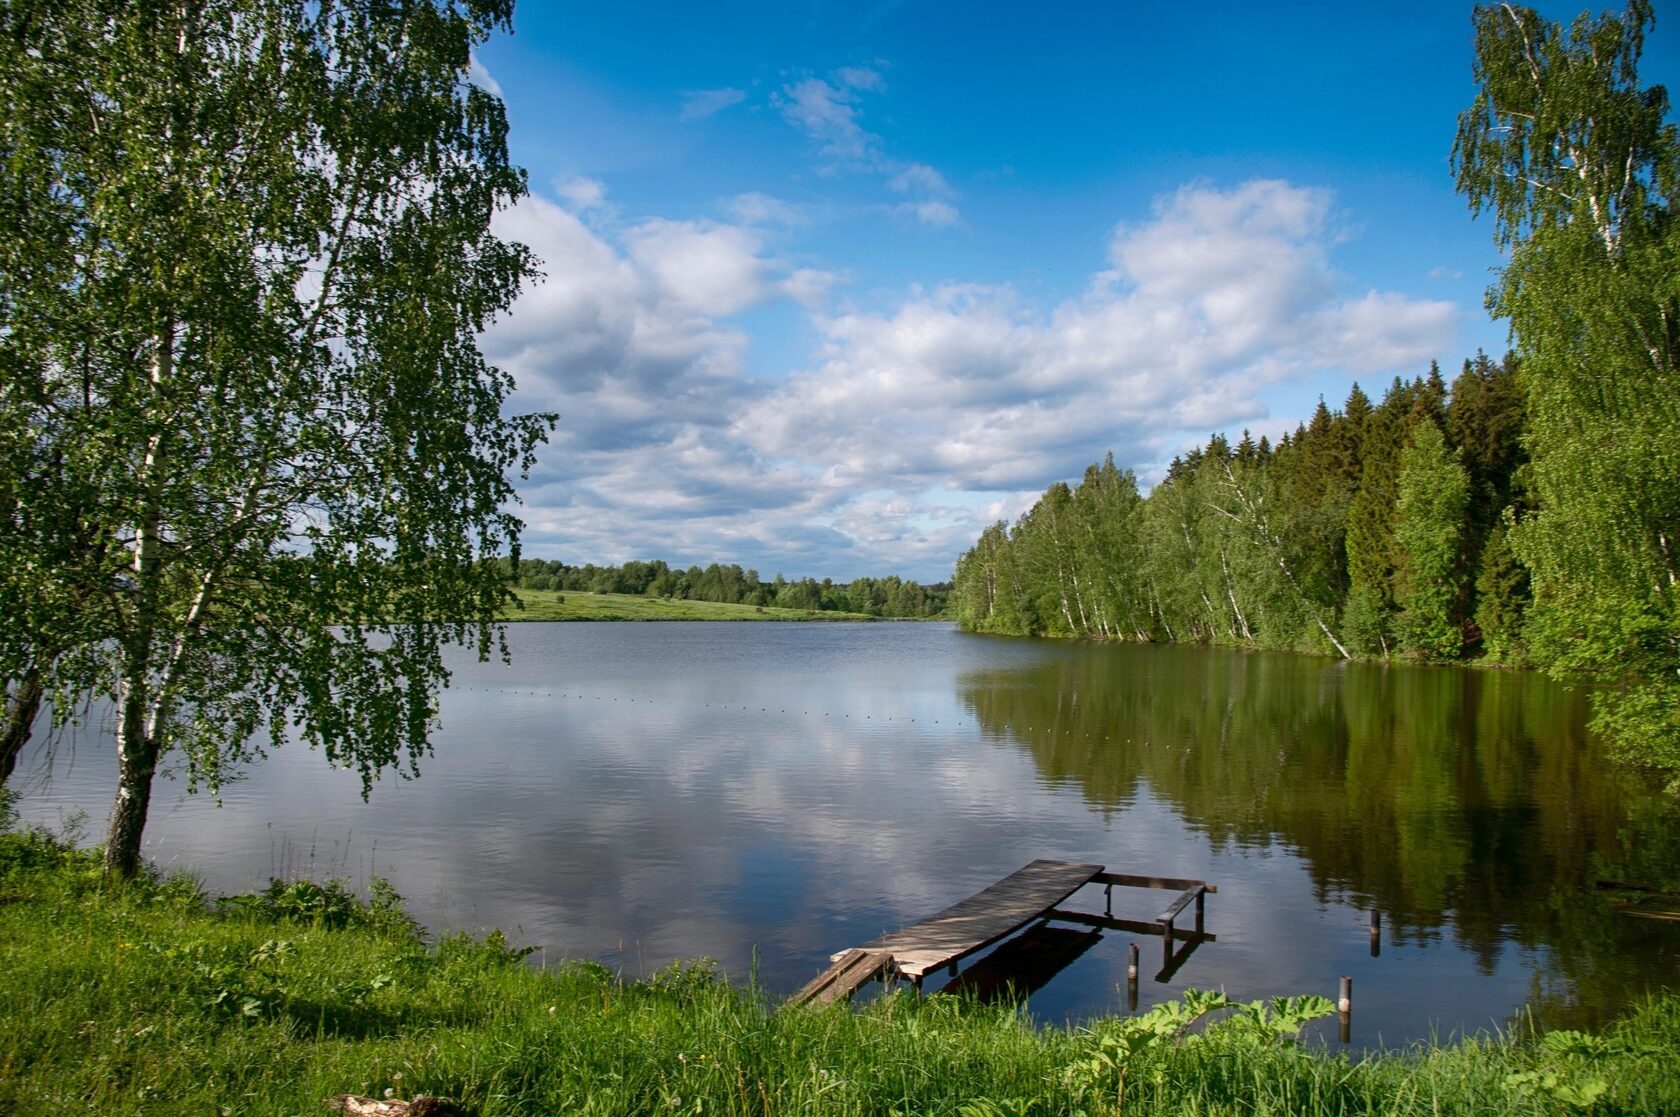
x=548, y=605
x=152, y=1000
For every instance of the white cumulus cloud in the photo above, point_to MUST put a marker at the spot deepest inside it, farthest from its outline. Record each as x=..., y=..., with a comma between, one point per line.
x=583, y=193
x=828, y=111
x=479, y=76
x=913, y=424
x=713, y=269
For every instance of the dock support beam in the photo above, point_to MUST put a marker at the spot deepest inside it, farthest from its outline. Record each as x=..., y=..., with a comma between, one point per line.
x=837, y=983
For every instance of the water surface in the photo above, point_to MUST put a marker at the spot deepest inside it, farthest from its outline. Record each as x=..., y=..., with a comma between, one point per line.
x=766, y=794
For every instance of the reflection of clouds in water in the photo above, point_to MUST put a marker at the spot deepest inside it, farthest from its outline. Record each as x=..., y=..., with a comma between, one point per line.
x=607, y=796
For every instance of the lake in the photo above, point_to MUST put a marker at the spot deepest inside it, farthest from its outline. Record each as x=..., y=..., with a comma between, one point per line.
x=765, y=794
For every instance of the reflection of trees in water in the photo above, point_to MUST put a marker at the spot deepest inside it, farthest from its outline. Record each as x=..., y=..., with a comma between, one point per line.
x=1469, y=803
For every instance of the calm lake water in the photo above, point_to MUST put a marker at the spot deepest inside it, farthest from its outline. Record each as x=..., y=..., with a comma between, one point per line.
x=766, y=794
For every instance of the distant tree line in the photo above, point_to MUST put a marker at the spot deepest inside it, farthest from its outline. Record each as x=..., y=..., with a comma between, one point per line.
x=1372, y=530
x=891, y=596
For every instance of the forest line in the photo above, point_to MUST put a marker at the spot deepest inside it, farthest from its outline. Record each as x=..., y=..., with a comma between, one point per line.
x=1375, y=529
x=729, y=584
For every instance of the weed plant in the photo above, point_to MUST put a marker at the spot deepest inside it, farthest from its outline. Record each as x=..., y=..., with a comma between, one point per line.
x=153, y=998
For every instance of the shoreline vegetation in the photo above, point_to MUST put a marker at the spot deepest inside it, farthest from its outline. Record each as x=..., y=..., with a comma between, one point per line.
x=729, y=584
x=154, y=998
x=552, y=605
x=1377, y=530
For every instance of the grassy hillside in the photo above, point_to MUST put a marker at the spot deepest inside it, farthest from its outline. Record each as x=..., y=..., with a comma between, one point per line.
x=547, y=605
x=149, y=999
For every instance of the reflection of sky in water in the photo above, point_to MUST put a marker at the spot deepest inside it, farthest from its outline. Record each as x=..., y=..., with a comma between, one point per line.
x=636, y=793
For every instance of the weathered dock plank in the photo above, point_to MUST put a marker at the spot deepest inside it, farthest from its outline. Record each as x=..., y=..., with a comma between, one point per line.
x=1132, y=880
x=983, y=918
x=852, y=969
x=1131, y=926
x=1184, y=900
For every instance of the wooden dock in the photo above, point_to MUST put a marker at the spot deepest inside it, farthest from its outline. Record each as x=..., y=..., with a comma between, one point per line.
x=1030, y=894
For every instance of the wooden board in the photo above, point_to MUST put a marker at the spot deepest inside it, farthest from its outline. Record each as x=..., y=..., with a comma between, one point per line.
x=1130, y=880
x=1131, y=926
x=983, y=918
x=851, y=970
x=1180, y=904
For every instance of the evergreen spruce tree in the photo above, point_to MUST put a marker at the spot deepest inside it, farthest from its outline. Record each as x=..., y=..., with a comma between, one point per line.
x=1371, y=549
x=1433, y=492
x=1501, y=599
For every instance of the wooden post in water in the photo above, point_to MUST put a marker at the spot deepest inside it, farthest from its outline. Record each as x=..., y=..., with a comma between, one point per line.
x=1376, y=933
x=1344, y=1010
x=1131, y=977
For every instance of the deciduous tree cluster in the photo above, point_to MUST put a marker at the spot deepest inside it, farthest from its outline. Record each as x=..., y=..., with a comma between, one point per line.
x=1371, y=530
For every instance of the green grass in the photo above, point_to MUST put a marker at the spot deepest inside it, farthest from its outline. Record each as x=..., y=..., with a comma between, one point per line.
x=150, y=999
x=549, y=605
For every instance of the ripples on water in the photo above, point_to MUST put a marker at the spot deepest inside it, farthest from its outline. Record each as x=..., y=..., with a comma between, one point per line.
x=637, y=793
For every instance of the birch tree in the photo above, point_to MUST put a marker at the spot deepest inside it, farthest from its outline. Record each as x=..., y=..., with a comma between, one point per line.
x=1580, y=169
x=258, y=467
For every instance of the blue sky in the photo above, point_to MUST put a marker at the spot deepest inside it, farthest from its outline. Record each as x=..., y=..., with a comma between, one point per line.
x=829, y=287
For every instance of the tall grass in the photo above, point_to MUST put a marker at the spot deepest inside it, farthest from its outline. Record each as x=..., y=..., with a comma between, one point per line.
x=154, y=999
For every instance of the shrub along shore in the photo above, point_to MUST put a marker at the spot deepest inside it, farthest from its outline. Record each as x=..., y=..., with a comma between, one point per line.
x=151, y=998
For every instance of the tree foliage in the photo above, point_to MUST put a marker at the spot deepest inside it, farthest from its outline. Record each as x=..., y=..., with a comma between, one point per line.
x=1433, y=496
x=1351, y=537
x=728, y=583
x=256, y=467
x=1580, y=168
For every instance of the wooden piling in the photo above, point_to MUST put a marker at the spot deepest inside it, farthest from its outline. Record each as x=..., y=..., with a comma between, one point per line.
x=1132, y=977
x=1376, y=933
x=1344, y=1010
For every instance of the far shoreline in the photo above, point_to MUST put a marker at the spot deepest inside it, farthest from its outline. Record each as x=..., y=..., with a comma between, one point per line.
x=569, y=605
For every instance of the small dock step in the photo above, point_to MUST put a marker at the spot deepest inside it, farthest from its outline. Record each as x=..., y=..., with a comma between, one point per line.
x=982, y=919
x=851, y=970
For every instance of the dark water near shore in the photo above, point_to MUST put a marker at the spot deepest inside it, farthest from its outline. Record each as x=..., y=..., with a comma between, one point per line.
x=637, y=793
